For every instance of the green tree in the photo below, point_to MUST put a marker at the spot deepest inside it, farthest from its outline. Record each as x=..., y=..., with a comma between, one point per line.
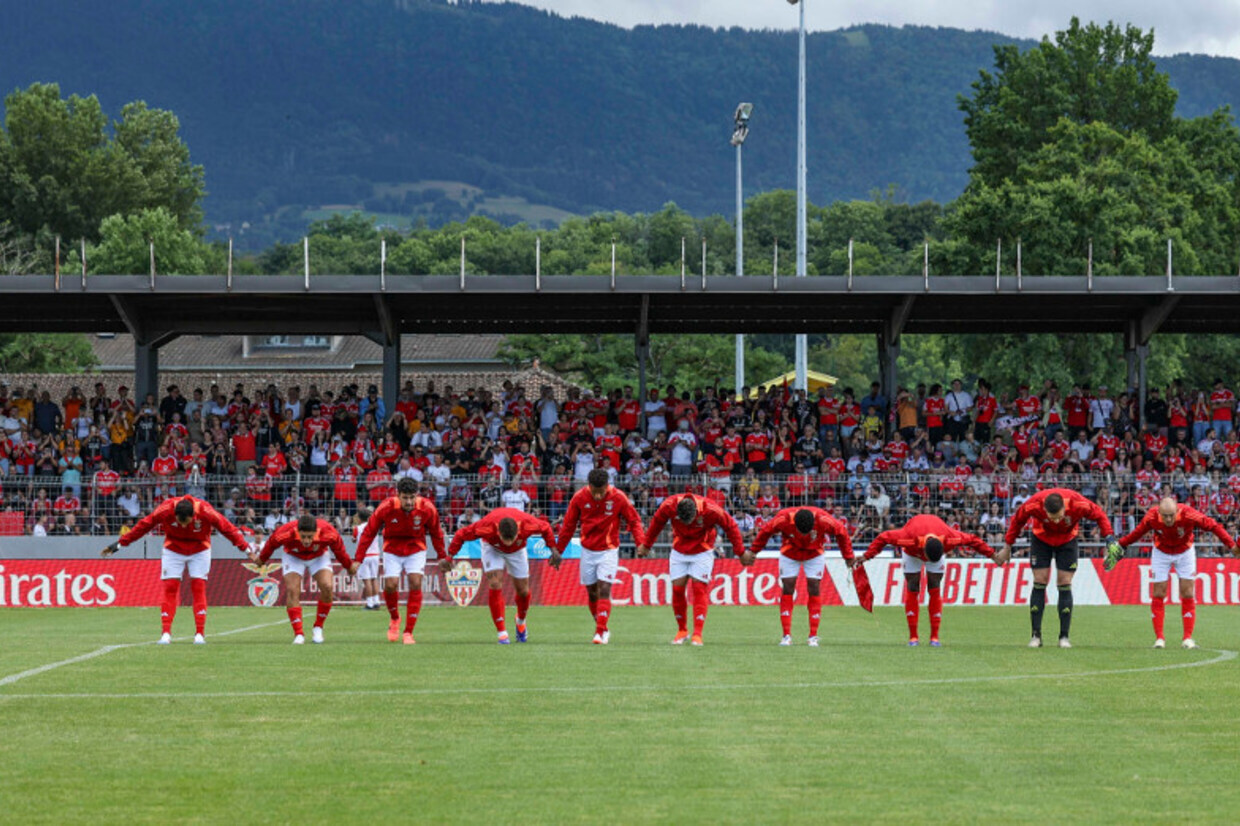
x=1088, y=74
x=45, y=353
x=62, y=173
x=125, y=246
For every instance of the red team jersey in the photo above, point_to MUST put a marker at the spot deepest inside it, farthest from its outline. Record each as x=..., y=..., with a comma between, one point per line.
x=697, y=537
x=911, y=539
x=1076, y=507
x=1176, y=538
x=487, y=530
x=600, y=520
x=404, y=533
x=286, y=538
x=191, y=539
x=799, y=546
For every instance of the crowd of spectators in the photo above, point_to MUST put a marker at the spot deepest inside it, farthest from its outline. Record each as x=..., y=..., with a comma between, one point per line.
x=92, y=465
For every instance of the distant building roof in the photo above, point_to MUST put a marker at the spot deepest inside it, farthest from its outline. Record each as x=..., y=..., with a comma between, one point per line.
x=349, y=353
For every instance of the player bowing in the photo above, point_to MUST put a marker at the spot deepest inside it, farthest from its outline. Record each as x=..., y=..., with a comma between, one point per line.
x=405, y=520
x=1175, y=527
x=1056, y=515
x=804, y=533
x=695, y=524
x=924, y=542
x=306, y=544
x=503, y=533
x=187, y=523
x=599, y=508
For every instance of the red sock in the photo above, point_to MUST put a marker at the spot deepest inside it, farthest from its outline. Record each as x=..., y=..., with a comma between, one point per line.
x=294, y=617
x=392, y=598
x=594, y=609
x=168, y=608
x=785, y=612
x=604, y=614
x=412, y=608
x=680, y=606
x=936, y=612
x=320, y=616
x=911, y=608
x=814, y=603
x=523, y=607
x=198, y=587
x=1158, y=612
x=701, y=604
x=495, y=598
x=1188, y=610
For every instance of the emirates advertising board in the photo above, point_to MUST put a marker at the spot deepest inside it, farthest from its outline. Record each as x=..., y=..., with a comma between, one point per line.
x=46, y=583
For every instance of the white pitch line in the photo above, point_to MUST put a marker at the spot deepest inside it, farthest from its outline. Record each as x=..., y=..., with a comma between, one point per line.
x=1223, y=656
x=107, y=649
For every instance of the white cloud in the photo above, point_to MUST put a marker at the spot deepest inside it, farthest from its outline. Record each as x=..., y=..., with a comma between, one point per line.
x=1200, y=26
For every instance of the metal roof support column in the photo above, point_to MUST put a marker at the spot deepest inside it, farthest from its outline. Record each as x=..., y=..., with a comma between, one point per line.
x=146, y=370
x=642, y=342
x=389, y=339
x=889, y=347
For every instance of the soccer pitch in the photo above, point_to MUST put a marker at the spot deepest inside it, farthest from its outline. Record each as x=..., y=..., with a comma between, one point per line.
x=457, y=728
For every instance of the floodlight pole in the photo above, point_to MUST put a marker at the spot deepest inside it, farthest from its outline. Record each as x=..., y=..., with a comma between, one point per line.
x=802, y=353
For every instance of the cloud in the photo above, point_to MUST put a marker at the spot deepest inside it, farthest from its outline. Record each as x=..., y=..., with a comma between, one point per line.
x=1199, y=26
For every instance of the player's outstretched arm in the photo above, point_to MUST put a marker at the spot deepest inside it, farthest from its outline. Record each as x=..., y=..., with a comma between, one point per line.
x=111, y=549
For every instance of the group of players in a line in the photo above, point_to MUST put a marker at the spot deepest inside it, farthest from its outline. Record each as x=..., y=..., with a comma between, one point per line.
x=406, y=521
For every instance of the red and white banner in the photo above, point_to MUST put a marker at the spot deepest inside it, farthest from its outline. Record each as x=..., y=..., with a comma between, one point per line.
x=94, y=583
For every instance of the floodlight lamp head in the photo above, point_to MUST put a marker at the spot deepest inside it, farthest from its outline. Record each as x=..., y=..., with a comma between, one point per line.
x=743, y=112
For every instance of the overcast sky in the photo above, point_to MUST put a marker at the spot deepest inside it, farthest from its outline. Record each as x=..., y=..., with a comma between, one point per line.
x=1198, y=26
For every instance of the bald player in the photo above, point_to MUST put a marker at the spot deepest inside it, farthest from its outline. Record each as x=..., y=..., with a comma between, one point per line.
x=1175, y=527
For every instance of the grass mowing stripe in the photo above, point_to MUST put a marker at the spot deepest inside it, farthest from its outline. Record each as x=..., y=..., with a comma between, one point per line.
x=107, y=649
x=1223, y=656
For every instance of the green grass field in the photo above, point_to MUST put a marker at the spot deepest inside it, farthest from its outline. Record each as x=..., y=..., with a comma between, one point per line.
x=863, y=729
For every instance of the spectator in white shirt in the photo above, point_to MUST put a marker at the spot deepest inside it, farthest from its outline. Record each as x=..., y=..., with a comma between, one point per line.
x=684, y=445
x=1100, y=409
x=441, y=475
x=515, y=498
x=1083, y=447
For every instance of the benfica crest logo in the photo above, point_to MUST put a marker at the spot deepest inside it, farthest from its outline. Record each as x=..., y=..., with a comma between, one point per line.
x=263, y=590
x=463, y=581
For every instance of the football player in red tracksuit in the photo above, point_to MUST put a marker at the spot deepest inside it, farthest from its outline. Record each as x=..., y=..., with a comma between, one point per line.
x=1175, y=527
x=924, y=541
x=599, y=509
x=695, y=524
x=306, y=544
x=405, y=521
x=1056, y=514
x=503, y=533
x=805, y=532
x=187, y=523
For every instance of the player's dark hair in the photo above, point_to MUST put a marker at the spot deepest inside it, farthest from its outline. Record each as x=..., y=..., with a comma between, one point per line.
x=686, y=509
x=804, y=520
x=933, y=548
x=508, y=529
x=406, y=485
x=307, y=524
x=598, y=478
x=1053, y=503
x=184, y=510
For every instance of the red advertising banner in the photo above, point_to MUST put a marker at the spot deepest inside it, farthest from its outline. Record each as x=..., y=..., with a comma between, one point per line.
x=124, y=582
x=58, y=583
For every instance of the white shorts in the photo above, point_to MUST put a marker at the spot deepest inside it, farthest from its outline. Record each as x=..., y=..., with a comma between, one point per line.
x=813, y=568
x=913, y=565
x=517, y=563
x=1184, y=565
x=369, y=569
x=394, y=566
x=599, y=565
x=695, y=566
x=173, y=564
x=302, y=567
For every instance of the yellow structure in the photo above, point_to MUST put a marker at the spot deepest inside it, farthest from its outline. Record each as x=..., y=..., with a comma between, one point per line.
x=812, y=380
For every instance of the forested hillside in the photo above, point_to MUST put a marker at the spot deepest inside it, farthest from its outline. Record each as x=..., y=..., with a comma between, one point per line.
x=393, y=105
